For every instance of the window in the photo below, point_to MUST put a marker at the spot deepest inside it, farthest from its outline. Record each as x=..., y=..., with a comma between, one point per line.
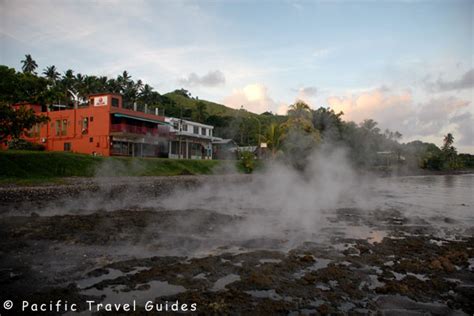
x=34, y=131
x=91, y=139
x=91, y=101
x=58, y=128
x=203, y=131
x=115, y=102
x=195, y=130
x=61, y=127
x=92, y=119
x=64, y=128
x=174, y=148
x=184, y=127
x=67, y=146
x=85, y=126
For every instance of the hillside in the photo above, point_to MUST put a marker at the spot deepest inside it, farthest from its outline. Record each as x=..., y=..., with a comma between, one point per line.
x=241, y=125
x=212, y=108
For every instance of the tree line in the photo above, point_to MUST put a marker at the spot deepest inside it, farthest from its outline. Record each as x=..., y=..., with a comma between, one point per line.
x=293, y=136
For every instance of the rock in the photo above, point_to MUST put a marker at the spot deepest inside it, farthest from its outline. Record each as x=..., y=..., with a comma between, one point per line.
x=447, y=265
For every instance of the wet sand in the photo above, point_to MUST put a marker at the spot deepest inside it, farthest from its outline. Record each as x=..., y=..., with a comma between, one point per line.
x=391, y=259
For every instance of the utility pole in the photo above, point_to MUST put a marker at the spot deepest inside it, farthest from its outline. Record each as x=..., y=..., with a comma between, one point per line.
x=180, y=128
x=259, y=133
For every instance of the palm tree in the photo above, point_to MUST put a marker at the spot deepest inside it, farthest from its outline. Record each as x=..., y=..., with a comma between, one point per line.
x=29, y=65
x=102, y=85
x=123, y=81
x=273, y=138
x=370, y=125
x=448, y=142
x=68, y=77
x=67, y=83
x=113, y=85
x=51, y=73
x=300, y=110
x=146, y=93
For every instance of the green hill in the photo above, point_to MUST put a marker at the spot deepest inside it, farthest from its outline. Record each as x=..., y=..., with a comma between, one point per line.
x=212, y=108
x=239, y=124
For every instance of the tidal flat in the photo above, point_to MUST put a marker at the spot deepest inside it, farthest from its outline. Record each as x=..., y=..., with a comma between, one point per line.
x=235, y=245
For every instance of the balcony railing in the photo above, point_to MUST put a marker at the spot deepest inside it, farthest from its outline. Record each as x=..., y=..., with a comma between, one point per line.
x=132, y=129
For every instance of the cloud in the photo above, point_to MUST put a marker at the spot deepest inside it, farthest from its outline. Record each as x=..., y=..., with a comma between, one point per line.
x=253, y=97
x=465, y=123
x=465, y=82
x=308, y=91
x=390, y=109
x=306, y=94
x=211, y=79
x=319, y=53
x=428, y=120
x=444, y=114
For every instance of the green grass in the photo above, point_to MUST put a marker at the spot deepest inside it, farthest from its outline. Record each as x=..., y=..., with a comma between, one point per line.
x=30, y=167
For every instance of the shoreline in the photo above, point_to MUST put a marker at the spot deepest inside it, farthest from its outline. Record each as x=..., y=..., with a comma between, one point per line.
x=154, y=185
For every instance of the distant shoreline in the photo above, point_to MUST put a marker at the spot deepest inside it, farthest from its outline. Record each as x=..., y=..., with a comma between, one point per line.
x=407, y=172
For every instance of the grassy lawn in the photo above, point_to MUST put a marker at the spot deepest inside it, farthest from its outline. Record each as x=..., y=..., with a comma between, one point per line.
x=34, y=167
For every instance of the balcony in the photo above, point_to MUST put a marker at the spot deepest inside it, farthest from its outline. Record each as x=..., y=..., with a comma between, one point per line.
x=133, y=129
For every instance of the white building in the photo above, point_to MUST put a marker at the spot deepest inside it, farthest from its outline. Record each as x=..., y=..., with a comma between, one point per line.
x=189, y=140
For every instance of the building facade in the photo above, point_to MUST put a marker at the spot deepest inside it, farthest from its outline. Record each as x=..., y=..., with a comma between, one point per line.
x=102, y=127
x=189, y=140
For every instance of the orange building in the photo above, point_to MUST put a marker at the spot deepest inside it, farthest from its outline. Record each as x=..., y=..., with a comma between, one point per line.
x=102, y=127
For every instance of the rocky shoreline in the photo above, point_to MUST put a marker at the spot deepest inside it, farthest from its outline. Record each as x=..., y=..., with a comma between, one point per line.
x=359, y=262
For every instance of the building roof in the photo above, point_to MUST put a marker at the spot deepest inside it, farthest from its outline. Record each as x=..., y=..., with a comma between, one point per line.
x=174, y=119
x=217, y=140
x=141, y=118
x=248, y=148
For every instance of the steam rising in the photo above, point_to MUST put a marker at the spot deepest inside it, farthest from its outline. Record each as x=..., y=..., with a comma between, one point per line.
x=280, y=198
x=279, y=207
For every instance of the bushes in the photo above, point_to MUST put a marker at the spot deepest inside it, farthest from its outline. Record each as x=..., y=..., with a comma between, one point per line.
x=21, y=144
x=246, y=162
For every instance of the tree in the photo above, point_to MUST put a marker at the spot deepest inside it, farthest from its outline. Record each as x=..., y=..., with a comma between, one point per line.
x=51, y=73
x=200, y=113
x=370, y=126
x=147, y=95
x=449, y=153
x=183, y=92
x=328, y=123
x=13, y=123
x=29, y=65
x=299, y=137
x=448, y=142
x=273, y=138
x=300, y=110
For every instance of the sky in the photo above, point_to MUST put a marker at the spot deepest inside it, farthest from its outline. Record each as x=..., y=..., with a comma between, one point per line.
x=406, y=64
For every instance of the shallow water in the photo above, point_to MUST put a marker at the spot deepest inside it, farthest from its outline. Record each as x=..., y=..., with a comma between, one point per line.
x=444, y=203
x=446, y=196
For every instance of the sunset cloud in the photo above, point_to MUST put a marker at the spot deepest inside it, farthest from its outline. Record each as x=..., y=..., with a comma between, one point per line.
x=429, y=120
x=253, y=98
x=388, y=108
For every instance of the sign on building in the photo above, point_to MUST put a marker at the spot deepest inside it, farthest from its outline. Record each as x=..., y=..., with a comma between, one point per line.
x=100, y=101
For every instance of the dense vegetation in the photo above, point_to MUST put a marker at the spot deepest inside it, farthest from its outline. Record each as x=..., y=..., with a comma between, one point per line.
x=292, y=137
x=13, y=123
